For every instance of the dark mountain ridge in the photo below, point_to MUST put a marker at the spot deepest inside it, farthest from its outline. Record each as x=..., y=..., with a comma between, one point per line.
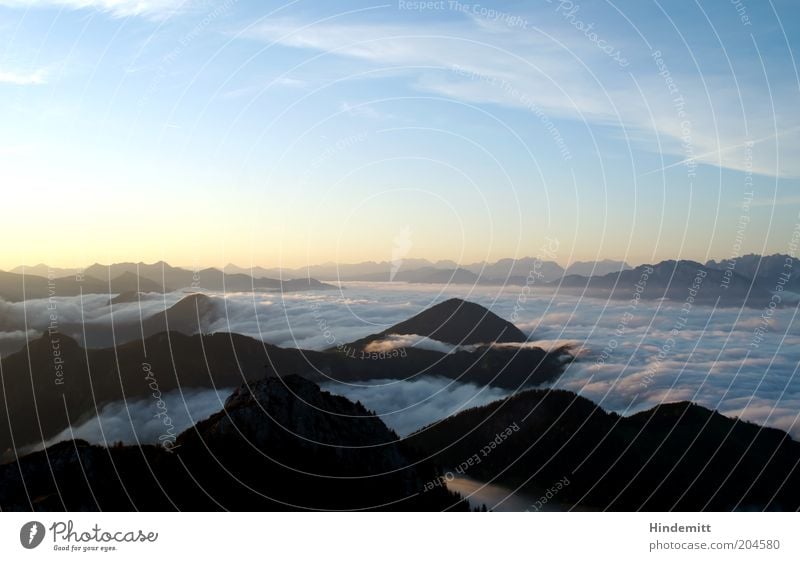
x=676, y=456
x=456, y=322
x=673, y=280
x=281, y=443
x=278, y=444
x=132, y=277
x=43, y=397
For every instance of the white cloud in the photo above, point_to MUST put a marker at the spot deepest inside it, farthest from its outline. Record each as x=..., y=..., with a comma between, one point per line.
x=35, y=78
x=567, y=77
x=137, y=421
x=393, y=342
x=711, y=362
x=406, y=406
x=117, y=8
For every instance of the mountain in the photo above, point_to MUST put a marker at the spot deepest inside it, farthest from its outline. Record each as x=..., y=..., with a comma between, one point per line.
x=676, y=456
x=139, y=277
x=429, y=275
x=768, y=271
x=515, y=271
x=191, y=314
x=279, y=444
x=41, y=398
x=456, y=322
x=169, y=279
x=164, y=276
x=364, y=271
x=673, y=280
x=504, y=271
x=43, y=392
x=42, y=270
x=17, y=287
x=596, y=268
x=432, y=275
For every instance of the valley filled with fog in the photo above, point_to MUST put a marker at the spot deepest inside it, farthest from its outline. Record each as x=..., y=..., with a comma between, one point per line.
x=630, y=354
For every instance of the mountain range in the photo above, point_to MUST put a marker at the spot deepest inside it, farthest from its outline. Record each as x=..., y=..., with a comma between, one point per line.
x=281, y=443
x=423, y=270
x=121, y=278
x=749, y=280
x=674, y=280
x=38, y=407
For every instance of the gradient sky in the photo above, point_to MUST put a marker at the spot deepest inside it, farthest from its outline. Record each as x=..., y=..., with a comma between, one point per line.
x=303, y=132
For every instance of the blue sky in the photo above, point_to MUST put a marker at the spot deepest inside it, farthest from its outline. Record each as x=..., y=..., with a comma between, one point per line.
x=291, y=133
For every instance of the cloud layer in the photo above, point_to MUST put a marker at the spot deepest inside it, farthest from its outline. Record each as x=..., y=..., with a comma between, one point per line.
x=629, y=359
x=137, y=421
x=406, y=406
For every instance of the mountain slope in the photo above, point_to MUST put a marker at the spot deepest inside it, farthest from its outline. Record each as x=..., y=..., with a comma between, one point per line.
x=766, y=270
x=675, y=456
x=279, y=444
x=456, y=322
x=42, y=398
x=674, y=280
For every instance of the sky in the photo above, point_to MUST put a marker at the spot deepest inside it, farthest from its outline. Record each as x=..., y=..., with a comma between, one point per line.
x=293, y=133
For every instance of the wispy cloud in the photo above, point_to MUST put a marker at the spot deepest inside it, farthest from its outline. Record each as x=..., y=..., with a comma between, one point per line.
x=566, y=78
x=282, y=82
x=363, y=110
x=35, y=78
x=117, y=8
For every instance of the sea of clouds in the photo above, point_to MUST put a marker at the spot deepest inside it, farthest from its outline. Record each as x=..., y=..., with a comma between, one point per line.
x=630, y=356
x=142, y=421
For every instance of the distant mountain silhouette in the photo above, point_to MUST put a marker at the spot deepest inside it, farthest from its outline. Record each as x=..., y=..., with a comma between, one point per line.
x=672, y=280
x=515, y=271
x=596, y=268
x=169, y=279
x=43, y=270
x=431, y=275
x=122, y=278
x=412, y=269
x=767, y=270
x=456, y=322
x=675, y=456
x=279, y=444
x=17, y=287
x=437, y=276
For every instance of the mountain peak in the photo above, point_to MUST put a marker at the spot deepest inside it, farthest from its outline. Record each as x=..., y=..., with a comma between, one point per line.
x=459, y=322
